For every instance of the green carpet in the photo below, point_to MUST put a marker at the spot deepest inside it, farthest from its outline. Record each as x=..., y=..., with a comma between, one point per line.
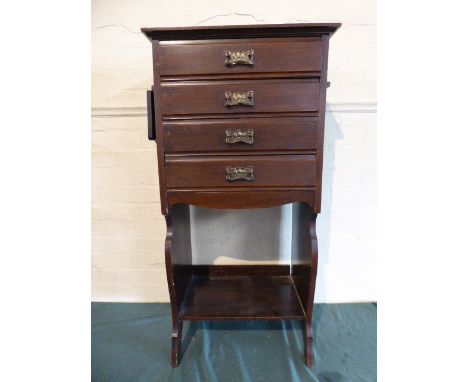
x=131, y=342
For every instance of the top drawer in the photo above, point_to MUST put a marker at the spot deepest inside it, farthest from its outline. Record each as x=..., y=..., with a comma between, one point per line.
x=243, y=56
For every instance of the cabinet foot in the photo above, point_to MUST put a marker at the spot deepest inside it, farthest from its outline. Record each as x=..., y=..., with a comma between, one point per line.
x=176, y=343
x=308, y=345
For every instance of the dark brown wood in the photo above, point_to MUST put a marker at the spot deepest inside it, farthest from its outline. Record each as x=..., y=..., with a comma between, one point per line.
x=241, y=298
x=159, y=128
x=274, y=157
x=322, y=111
x=270, y=96
x=241, y=76
x=278, y=170
x=269, y=134
x=270, y=56
x=178, y=256
x=235, y=199
x=237, y=114
x=150, y=107
x=240, y=31
x=304, y=261
x=240, y=270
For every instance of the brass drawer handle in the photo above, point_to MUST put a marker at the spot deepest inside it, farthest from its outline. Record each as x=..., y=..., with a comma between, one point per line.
x=239, y=98
x=240, y=173
x=234, y=136
x=245, y=57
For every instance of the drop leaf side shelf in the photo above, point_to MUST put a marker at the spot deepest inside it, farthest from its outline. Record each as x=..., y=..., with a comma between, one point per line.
x=238, y=115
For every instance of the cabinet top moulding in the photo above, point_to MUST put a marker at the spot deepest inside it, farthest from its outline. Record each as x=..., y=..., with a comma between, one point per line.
x=241, y=31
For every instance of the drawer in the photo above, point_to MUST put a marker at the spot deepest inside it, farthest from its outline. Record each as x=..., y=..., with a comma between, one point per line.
x=299, y=133
x=244, y=171
x=220, y=97
x=244, y=56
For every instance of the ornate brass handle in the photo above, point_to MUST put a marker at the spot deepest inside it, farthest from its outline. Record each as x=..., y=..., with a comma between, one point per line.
x=234, y=136
x=239, y=98
x=245, y=57
x=240, y=173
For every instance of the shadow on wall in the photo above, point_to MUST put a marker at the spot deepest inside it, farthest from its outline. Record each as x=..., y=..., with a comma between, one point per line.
x=332, y=134
x=237, y=236
x=264, y=235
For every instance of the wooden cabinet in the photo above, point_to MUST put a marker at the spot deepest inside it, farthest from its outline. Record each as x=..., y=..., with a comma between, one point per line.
x=237, y=113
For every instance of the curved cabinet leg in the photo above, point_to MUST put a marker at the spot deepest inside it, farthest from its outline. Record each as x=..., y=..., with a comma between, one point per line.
x=178, y=255
x=308, y=344
x=304, y=261
x=176, y=343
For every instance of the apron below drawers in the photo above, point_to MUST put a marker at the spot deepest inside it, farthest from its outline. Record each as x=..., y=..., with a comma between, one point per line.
x=241, y=171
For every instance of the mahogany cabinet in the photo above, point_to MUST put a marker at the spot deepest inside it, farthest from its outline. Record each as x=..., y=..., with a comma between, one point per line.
x=238, y=114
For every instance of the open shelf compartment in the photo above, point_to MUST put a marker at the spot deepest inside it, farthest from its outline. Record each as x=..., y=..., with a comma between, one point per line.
x=241, y=293
x=256, y=291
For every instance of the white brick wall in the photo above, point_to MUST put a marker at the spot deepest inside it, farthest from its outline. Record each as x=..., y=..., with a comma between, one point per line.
x=127, y=228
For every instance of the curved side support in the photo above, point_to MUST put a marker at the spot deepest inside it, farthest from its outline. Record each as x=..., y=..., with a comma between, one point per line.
x=309, y=353
x=178, y=258
x=175, y=335
x=304, y=261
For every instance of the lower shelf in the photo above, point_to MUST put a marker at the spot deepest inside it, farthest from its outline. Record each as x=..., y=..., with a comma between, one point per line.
x=241, y=298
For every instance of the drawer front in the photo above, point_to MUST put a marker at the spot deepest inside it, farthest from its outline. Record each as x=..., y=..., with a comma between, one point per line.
x=242, y=171
x=241, y=134
x=246, y=56
x=216, y=97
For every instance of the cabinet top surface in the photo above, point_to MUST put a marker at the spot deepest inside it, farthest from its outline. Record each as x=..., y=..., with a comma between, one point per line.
x=241, y=31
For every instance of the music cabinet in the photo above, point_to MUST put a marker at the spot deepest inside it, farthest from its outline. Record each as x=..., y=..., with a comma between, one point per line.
x=238, y=114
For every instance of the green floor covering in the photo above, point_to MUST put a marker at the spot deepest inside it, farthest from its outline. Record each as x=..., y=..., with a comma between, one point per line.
x=131, y=342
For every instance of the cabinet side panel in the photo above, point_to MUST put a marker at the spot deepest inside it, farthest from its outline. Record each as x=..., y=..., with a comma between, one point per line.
x=322, y=111
x=304, y=255
x=181, y=251
x=159, y=128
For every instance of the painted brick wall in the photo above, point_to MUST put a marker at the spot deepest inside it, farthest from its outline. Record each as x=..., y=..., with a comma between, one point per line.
x=127, y=228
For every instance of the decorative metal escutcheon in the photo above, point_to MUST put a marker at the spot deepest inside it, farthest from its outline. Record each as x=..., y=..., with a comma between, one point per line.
x=240, y=173
x=245, y=57
x=244, y=136
x=239, y=98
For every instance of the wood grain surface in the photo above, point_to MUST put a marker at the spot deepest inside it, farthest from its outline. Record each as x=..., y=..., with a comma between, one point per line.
x=285, y=55
x=289, y=81
x=208, y=97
